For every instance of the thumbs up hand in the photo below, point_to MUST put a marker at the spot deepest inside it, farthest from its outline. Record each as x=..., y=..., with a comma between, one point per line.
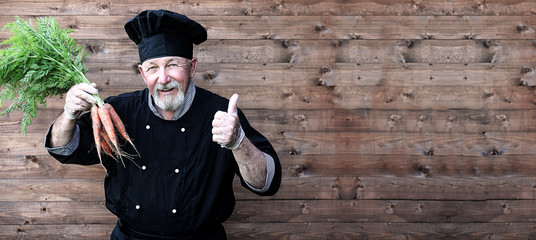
x=226, y=129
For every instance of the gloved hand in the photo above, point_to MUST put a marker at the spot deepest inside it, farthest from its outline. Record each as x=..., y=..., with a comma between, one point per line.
x=79, y=99
x=226, y=129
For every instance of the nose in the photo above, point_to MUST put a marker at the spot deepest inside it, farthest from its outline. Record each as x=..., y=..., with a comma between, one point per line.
x=163, y=76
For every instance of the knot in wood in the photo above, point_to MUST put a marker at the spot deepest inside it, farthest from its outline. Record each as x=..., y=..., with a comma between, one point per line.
x=247, y=12
x=32, y=158
x=305, y=209
x=300, y=117
x=209, y=76
x=525, y=70
x=426, y=171
x=522, y=28
x=489, y=93
x=427, y=36
x=494, y=152
x=423, y=118
x=287, y=94
x=105, y=6
x=407, y=94
x=390, y=209
x=305, y=100
x=299, y=168
x=506, y=209
x=93, y=47
x=479, y=5
x=395, y=117
x=408, y=43
x=285, y=43
x=336, y=43
x=490, y=43
x=277, y=5
x=501, y=117
x=320, y=28
x=416, y=5
x=325, y=70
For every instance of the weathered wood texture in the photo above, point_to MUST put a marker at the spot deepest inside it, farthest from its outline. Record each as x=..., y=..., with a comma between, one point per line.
x=393, y=119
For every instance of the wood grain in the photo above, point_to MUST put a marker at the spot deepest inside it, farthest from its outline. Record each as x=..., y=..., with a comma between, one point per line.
x=409, y=119
x=319, y=27
x=270, y=7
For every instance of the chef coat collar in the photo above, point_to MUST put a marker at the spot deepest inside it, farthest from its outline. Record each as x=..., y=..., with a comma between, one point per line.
x=188, y=99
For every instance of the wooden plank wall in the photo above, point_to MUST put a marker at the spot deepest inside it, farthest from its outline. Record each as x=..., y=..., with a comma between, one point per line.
x=393, y=119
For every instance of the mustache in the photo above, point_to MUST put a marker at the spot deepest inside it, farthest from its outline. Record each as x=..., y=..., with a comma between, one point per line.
x=169, y=85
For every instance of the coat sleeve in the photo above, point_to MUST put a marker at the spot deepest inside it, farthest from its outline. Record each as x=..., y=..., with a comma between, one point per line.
x=266, y=147
x=85, y=153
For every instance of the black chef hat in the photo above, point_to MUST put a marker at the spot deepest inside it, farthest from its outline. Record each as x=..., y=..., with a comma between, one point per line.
x=161, y=33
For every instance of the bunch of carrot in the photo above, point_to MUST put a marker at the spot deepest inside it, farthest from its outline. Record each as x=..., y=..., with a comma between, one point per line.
x=44, y=61
x=105, y=123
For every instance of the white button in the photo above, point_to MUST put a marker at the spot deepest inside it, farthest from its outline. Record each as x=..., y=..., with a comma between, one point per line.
x=148, y=127
x=137, y=206
x=183, y=129
x=143, y=167
x=174, y=211
x=177, y=170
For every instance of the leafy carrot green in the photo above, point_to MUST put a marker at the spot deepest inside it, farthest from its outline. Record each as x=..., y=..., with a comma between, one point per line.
x=38, y=63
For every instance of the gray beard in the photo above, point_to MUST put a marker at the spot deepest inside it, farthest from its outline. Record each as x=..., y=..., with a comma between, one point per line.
x=169, y=103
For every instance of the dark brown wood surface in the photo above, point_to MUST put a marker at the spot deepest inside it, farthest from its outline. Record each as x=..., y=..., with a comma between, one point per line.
x=411, y=119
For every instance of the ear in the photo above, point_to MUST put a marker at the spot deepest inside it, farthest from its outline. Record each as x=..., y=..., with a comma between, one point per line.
x=140, y=69
x=193, y=66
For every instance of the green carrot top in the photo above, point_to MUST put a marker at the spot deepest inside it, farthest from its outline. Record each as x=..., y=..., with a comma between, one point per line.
x=40, y=62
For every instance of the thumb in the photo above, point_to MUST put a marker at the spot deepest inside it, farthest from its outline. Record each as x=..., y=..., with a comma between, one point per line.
x=232, y=104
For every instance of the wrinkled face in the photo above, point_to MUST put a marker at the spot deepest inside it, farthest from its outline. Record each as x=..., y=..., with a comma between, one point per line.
x=167, y=79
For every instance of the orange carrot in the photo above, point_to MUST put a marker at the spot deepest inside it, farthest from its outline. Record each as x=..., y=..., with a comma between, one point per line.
x=106, y=145
x=96, y=129
x=119, y=125
x=104, y=116
x=105, y=123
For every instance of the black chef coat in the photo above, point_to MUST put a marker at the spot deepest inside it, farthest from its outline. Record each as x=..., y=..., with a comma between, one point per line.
x=183, y=184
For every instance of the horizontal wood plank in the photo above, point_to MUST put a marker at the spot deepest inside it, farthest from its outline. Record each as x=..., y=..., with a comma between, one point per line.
x=52, y=189
x=42, y=165
x=301, y=231
x=426, y=165
x=339, y=120
x=357, y=143
x=61, y=231
x=365, y=97
x=332, y=51
x=380, y=231
x=295, y=211
x=305, y=188
x=400, y=188
x=319, y=27
x=229, y=75
x=54, y=213
x=268, y=7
